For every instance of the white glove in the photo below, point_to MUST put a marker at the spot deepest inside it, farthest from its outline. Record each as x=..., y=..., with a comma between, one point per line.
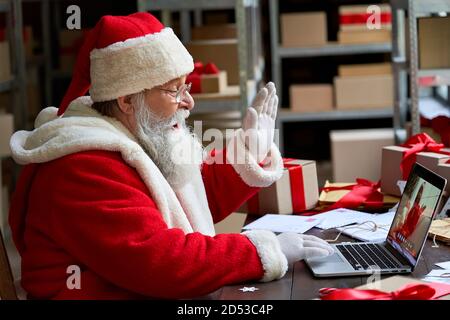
x=259, y=122
x=297, y=247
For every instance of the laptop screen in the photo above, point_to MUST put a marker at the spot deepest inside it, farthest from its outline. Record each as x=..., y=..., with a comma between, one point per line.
x=414, y=215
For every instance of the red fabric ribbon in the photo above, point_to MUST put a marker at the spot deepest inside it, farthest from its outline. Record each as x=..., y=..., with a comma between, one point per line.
x=421, y=142
x=408, y=292
x=296, y=184
x=361, y=18
x=364, y=192
x=195, y=76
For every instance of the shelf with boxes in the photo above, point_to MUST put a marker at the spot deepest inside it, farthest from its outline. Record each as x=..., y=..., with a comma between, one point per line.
x=358, y=91
x=421, y=50
x=12, y=92
x=233, y=48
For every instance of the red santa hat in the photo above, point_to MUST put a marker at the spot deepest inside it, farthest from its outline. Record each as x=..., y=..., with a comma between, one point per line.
x=123, y=55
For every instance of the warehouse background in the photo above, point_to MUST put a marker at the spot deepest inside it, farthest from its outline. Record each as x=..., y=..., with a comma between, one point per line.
x=306, y=46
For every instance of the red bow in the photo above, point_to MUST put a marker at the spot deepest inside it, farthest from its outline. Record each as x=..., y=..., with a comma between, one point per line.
x=363, y=192
x=408, y=292
x=195, y=76
x=421, y=142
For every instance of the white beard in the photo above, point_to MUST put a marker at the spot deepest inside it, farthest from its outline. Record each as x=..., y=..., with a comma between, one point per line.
x=177, y=152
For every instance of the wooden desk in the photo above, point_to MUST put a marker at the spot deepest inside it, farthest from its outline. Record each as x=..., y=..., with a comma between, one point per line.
x=299, y=282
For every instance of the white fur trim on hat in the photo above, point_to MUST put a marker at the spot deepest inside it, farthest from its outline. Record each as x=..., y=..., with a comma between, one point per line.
x=246, y=166
x=273, y=260
x=136, y=64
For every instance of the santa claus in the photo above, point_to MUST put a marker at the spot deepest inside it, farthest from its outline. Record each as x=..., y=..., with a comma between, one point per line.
x=116, y=185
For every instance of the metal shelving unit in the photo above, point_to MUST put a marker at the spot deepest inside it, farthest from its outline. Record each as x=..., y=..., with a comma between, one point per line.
x=331, y=49
x=251, y=63
x=17, y=83
x=406, y=61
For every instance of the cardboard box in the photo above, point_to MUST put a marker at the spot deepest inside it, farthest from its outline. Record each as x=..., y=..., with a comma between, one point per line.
x=355, y=17
x=431, y=160
x=214, y=83
x=6, y=131
x=211, y=32
x=443, y=170
x=364, y=36
x=434, y=42
x=390, y=169
x=363, y=27
x=367, y=69
x=331, y=197
x=5, y=62
x=361, y=8
x=357, y=153
x=390, y=166
x=223, y=53
x=364, y=92
x=277, y=198
x=311, y=97
x=440, y=230
x=303, y=29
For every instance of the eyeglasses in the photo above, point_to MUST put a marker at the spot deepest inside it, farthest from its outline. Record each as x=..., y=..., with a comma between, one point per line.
x=179, y=94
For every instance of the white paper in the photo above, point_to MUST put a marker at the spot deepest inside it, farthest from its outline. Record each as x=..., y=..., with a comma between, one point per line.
x=438, y=276
x=401, y=185
x=367, y=231
x=283, y=223
x=444, y=265
x=341, y=217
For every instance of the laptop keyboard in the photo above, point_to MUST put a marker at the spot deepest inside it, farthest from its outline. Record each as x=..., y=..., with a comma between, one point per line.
x=367, y=256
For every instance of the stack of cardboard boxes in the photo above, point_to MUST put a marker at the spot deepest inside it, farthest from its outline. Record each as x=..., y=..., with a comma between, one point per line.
x=216, y=44
x=304, y=29
x=359, y=24
x=364, y=86
x=359, y=86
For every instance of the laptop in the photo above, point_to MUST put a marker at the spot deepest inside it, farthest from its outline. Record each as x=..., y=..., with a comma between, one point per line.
x=401, y=250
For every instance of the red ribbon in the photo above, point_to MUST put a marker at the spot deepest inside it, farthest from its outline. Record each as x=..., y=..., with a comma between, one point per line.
x=361, y=18
x=195, y=76
x=363, y=192
x=421, y=142
x=429, y=291
x=296, y=184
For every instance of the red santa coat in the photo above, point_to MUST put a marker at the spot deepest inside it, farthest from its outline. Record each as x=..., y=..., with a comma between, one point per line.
x=89, y=196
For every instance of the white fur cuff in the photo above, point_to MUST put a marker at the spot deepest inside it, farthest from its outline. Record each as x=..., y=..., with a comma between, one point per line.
x=248, y=169
x=273, y=260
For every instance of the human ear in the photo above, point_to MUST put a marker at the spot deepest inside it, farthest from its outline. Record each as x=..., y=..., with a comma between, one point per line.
x=125, y=104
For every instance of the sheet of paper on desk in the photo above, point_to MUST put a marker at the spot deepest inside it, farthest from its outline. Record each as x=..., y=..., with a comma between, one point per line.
x=438, y=276
x=283, y=223
x=341, y=217
x=444, y=265
x=367, y=231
